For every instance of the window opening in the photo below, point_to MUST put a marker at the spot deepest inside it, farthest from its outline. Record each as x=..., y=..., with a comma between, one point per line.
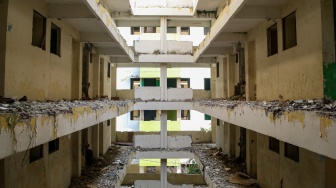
x=53, y=146
x=289, y=31
x=35, y=153
x=292, y=152
x=272, y=40
x=39, y=30
x=55, y=40
x=274, y=144
x=185, y=30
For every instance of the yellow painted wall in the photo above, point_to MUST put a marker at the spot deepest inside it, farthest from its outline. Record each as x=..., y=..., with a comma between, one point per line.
x=155, y=73
x=31, y=71
x=156, y=162
x=295, y=73
x=153, y=126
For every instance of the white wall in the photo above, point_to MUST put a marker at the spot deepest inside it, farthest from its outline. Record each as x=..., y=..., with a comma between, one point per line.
x=124, y=75
x=124, y=123
x=196, y=122
x=196, y=76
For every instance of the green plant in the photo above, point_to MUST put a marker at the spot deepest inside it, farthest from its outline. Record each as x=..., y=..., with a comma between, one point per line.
x=193, y=168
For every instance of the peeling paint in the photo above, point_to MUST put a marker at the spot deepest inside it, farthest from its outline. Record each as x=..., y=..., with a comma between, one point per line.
x=325, y=123
x=297, y=116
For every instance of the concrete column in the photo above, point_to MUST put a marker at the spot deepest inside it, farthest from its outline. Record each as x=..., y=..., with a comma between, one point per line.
x=251, y=153
x=142, y=170
x=96, y=76
x=250, y=71
x=163, y=82
x=101, y=138
x=163, y=34
x=330, y=166
x=113, y=130
x=163, y=132
x=213, y=129
x=76, y=71
x=232, y=140
x=95, y=140
x=2, y=173
x=76, y=139
x=328, y=48
x=220, y=81
x=113, y=80
x=213, y=81
x=231, y=69
x=3, y=36
x=226, y=148
x=163, y=174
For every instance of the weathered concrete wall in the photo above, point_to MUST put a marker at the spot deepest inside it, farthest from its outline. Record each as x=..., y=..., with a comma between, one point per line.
x=106, y=90
x=3, y=34
x=274, y=168
x=301, y=128
x=31, y=71
x=196, y=136
x=176, y=179
x=104, y=137
x=53, y=170
x=179, y=94
x=201, y=94
x=156, y=183
x=153, y=141
x=125, y=94
x=147, y=93
x=295, y=73
x=44, y=128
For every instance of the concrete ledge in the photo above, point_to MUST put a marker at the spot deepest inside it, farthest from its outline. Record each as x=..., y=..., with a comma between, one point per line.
x=16, y=136
x=153, y=141
x=157, y=105
x=305, y=129
x=163, y=154
x=174, y=178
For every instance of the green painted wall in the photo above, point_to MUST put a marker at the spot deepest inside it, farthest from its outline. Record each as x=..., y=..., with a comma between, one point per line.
x=329, y=79
x=172, y=115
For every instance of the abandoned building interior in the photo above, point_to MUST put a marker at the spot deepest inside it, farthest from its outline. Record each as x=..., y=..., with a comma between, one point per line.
x=266, y=88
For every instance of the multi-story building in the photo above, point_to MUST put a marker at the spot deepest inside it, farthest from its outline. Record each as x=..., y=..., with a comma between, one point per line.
x=280, y=53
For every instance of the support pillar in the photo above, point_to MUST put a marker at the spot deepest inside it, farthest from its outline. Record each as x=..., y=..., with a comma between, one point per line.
x=251, y=153
x=221, y=78
x=95, y=141
x=76, y=79
x=163, y=82
x=76, y=139
x=2, y=173
x=3, y=36
x=163, y=173
x=231, y=69
x=96, y=76
x=250, y=71
x=232, y=140
x=163, y=132
x=226, y=133
x=163, y=34
x=113, y=130
x=113, y=80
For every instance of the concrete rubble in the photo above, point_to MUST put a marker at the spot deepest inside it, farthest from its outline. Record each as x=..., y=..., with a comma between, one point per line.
x=26, y=109
x=104, y=173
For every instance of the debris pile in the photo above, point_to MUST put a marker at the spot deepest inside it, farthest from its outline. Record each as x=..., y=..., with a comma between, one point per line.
x=27, y=109
x=223, y=171
x=104, y=173
x=321, y=107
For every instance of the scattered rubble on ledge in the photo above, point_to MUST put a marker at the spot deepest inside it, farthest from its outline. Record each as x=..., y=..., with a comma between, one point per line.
x=26, y=109
x=104, y=173
x=321, y=107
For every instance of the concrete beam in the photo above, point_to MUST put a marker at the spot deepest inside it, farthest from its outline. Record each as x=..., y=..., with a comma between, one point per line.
x=170, y=65
x=111, y=51
x=225, y=16
x=165, y=58
x=98, y=9
x=163, y=154
x=69, y=11
x=258, y=13
x=96, y=37
x=19, y=136
x=217, y=51
x=231, y=37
